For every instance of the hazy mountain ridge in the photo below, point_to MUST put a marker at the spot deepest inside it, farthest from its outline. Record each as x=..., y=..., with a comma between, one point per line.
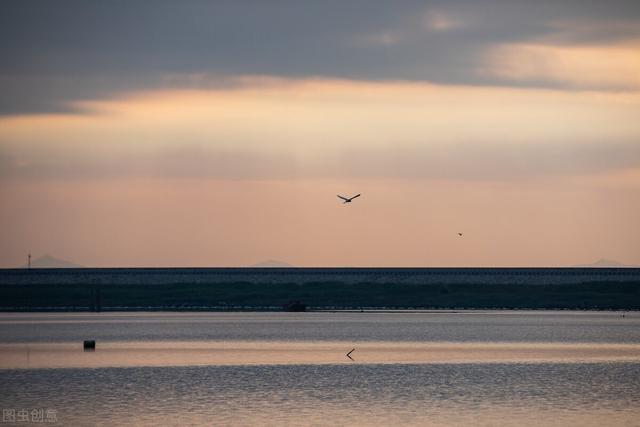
x=271, y=263
x=48, y=261
x=606, y=263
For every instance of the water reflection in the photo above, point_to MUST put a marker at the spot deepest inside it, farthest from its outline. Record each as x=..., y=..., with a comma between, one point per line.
x=353, y=394
x=192, y=353
x=441, y=369
x=480, y=326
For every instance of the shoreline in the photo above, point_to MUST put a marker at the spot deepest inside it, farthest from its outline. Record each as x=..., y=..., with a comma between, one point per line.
x=319, y=290
x=169, y=309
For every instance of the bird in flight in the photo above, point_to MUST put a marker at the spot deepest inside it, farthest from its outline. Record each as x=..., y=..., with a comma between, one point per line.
x=460, y=234
x=348, y=199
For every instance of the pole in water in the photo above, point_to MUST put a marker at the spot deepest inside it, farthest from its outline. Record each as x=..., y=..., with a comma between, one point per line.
x=29, y=261
x=349, y=354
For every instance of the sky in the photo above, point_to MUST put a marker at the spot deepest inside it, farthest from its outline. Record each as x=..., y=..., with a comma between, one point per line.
x=218, y=133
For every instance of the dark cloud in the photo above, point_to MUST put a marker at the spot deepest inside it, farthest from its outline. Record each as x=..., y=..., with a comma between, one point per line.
x=55, y=52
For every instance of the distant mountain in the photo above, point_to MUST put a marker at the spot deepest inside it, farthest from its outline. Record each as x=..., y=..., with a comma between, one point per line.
x=47, y=261
x=606, y=263
x=271, y=263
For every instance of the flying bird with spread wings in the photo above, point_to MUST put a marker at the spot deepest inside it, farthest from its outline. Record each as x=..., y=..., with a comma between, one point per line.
x=348, y=199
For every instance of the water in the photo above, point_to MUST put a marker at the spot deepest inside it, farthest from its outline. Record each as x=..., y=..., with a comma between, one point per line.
x=465, y=394
x=470, y=368
x=464, y=326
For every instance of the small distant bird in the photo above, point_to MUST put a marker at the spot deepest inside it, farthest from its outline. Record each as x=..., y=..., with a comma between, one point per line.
x=348, y=199
x=460, y=234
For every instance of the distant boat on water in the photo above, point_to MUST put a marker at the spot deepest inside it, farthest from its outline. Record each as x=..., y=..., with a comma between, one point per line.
x=294, y=306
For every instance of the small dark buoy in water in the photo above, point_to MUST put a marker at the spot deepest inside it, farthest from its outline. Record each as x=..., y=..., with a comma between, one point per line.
x=89, y=345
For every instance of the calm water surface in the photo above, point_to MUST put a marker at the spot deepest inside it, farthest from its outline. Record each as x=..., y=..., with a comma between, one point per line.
x=444, y=369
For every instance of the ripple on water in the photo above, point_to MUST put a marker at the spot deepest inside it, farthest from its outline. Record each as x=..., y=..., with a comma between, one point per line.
x=440, y=394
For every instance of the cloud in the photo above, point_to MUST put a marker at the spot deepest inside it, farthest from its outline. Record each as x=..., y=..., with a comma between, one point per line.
x=461, y=162
x=591, y=31
x=441, y=21
x=585, y=67
x=493, y=162
x=55, y=53
x=262, y=128
x=183, y=161
x=383, y=38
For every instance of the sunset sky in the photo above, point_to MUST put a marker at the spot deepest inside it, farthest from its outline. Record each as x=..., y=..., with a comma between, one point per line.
x=195, y=133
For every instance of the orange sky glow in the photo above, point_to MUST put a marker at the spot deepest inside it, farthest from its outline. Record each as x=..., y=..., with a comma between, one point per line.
x=229, y=177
